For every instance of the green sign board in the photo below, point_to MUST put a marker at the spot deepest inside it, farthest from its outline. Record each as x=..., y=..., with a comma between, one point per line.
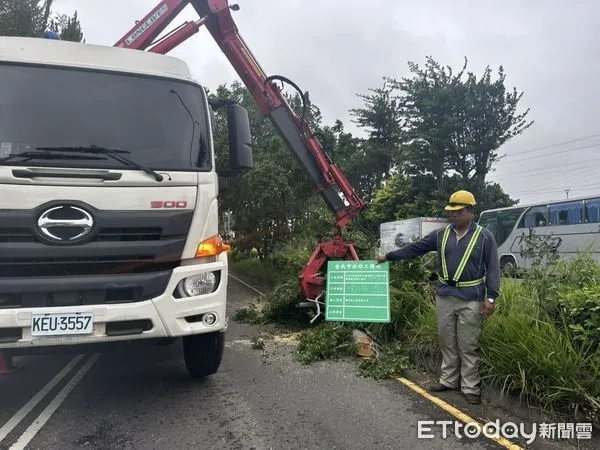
x=357, y=291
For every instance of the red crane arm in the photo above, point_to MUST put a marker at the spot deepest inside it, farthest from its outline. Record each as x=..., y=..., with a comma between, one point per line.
x=328, y=179
x=145, y=31
x=325, y=175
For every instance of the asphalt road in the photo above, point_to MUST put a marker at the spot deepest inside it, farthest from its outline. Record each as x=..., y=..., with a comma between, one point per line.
x=260, y=399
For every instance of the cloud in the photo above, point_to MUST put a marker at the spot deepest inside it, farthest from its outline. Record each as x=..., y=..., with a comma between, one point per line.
x=336, y=49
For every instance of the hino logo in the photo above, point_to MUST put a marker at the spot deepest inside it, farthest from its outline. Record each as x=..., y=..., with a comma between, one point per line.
x=65, y=223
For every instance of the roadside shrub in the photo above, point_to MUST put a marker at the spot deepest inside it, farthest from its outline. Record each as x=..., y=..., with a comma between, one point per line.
x=281, y=305
x=288, y=263
x=260, y=272
x=580, y=310
x=532, y=358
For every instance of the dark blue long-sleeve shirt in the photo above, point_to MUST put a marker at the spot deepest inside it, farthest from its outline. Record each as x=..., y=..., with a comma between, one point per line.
x=483, y=261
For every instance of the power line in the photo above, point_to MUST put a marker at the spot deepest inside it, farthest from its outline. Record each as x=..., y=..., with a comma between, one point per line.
x=558, y=144
x=570, y=188
x=550, y=154
x=541, y=171
x=557, y=188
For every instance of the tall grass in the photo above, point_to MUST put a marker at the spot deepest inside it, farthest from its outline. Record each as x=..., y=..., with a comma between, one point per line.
x=529, y=349
x=532, y=358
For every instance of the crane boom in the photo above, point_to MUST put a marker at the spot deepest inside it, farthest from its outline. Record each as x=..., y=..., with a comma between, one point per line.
x=328, y=179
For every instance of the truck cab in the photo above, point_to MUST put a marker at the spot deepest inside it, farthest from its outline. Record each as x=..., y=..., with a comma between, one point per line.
x=109, y=207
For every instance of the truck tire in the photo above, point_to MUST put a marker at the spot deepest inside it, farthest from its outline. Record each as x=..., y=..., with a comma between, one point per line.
x=203, y=353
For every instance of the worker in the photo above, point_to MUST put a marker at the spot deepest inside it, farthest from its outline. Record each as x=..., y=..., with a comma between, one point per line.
x=466, y=291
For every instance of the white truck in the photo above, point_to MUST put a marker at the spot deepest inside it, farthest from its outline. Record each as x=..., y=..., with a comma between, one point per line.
x=393, y=235
x=109, y=213
x=108, y=205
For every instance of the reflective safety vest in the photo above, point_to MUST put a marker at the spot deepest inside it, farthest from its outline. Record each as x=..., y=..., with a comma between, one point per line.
x=463, y=262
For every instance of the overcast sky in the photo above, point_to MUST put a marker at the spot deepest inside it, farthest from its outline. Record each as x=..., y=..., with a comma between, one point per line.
x=548, y=49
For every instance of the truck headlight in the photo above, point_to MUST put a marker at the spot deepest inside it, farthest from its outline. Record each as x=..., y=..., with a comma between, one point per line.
x=199, y=284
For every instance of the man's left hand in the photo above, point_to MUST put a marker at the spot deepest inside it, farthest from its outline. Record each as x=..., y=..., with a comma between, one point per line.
x=488, y=308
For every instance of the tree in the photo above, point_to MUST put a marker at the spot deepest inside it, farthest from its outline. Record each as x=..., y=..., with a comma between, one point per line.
x=436, y=132
x=383, y=118
x=31, y=18
x=275, y=200
x=26, y=18
x=68, y=27
x=456, y=124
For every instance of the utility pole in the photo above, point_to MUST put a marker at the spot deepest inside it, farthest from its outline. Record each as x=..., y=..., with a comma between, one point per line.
x=567, y=192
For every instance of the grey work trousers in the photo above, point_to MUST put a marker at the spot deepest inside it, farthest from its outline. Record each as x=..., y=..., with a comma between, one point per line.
x=459, y=324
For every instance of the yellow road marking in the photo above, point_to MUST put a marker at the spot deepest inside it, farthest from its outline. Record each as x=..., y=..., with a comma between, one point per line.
x=457, y=413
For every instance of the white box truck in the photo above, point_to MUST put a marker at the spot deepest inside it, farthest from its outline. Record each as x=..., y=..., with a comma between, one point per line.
x=393, y=235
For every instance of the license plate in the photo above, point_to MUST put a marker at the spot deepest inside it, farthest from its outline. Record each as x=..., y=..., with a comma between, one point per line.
x=61, y=324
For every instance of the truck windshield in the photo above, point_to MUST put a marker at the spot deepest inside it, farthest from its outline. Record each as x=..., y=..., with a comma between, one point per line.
x=161, y=123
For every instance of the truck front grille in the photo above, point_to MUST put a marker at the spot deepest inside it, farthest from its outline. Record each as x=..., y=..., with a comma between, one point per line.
x=21, y=235
x=58, y=267
x=49, y=291
x=122, y=242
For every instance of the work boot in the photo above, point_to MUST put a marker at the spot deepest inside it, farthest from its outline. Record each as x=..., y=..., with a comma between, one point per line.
x=473, y=399
x=439, y=387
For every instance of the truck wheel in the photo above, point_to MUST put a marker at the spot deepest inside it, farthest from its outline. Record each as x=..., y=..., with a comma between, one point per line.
x=203, y=353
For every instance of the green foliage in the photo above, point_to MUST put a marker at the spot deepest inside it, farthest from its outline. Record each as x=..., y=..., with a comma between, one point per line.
x=273, y=268
x=541, y=343
x=441, y=132
x=381, y=116
x=458, y=124
x=277, y=307
x=543, y=340
x=281, y=305
x=325, y=341
x=256, y=269
x=391, y=361
x=68, y=27
x=273, y=204
x=403, y=197
x=427, y=137
x=251, y=314
x=393, y=201
x=30, y=18
x=580, y=309
x=533, y=358
x=289, y=262
x=26, y=18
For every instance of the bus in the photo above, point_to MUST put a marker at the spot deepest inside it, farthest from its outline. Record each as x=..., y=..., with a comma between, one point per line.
x=568, y=227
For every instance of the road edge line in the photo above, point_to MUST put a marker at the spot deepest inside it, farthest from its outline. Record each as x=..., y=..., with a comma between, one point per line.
x=246, y=284
x=16, y=419
x=47, y=413
x=456, y=412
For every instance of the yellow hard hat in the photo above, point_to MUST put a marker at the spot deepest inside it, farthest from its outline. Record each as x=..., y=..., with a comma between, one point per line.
x=459, y=200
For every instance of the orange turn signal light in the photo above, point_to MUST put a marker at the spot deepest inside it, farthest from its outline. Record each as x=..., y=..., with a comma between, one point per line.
x=212, y=246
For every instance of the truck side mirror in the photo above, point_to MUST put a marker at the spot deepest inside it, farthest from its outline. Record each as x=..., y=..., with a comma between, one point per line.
x=240, y=138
